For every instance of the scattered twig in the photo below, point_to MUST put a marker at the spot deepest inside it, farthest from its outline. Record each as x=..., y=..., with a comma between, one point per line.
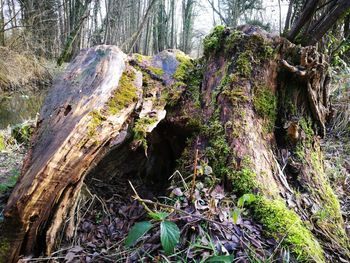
x=137, y=197
x=194, y=172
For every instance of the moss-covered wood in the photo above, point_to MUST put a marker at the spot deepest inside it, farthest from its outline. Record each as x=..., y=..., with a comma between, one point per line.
x=247, y=108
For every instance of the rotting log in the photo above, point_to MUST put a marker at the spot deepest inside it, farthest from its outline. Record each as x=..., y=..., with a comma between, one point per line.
x=86, y=113
x=253, y=108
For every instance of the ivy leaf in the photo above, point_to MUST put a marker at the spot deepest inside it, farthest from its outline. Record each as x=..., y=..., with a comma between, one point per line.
x=137, y=231
x=246, y=198
x=220, y=259
x=160, y=216
x=235, y=215
x=169, y=236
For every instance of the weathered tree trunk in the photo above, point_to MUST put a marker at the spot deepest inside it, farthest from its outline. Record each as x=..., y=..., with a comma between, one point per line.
x=254, y=108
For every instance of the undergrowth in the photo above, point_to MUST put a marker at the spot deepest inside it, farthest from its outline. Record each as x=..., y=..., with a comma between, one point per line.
x=22, y=71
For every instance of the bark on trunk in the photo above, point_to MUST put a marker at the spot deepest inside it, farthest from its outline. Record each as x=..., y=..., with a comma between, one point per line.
x=253, y=109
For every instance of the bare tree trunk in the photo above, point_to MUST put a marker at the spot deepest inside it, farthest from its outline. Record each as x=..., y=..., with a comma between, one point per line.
x=327, y=21
x=289, y=17
x=143, y=23
x=306, y=15
x=2, y=22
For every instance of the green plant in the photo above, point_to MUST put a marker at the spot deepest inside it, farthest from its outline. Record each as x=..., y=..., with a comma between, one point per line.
x=169, y=232
x=23, y=132
x=244, y=199
x=11, y=181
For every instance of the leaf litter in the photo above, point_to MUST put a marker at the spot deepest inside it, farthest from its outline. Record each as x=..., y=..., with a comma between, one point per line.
x=208, y=229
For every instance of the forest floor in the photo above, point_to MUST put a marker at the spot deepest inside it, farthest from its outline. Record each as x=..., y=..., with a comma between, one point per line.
x=104, y=220
x=337, y=164
x=10, y=166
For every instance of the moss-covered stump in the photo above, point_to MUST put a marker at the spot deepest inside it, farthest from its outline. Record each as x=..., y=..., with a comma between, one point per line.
x=264, y=104
x=253, y=109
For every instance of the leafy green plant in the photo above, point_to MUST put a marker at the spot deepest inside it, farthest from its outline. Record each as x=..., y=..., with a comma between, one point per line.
x=136, y=232
x=11, y=181
x=169, y=232
x=244, y=199
x=169, y=236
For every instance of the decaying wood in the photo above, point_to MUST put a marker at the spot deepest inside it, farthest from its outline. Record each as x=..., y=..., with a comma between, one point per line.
x=78, y=134
x=313, y=69
x=66, y=145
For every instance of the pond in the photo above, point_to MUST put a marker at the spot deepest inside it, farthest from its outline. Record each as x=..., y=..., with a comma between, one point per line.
x=17, y=107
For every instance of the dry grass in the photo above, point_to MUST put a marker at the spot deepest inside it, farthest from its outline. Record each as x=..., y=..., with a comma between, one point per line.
x=18, y=71
x=340, y=123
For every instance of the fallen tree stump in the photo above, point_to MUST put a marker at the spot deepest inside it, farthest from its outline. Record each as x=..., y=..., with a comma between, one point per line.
x=253, y=108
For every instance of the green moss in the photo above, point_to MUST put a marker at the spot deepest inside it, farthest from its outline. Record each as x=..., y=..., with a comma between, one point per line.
x=330, y=201
x=233, y=40
x=156, y=71
x=2, y=142
x=213, y=41
x=265, y=103
x=141, y=58
x=187, y=77
x=236, y=95
x=218, y=149
x=262, y=49
x=243, y=181
x=4, y=249
x=140, y=130
x=96, y=121
x=278, y=220
x=244, y=63
x=124, y=95
x=299, y=152
x=184, y=67
x=306, y=125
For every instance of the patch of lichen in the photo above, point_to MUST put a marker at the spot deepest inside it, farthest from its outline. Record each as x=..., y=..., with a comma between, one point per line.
x=140, y=130
x=96, y=121
x=278, y=221
x=265, y=104
x=125, y=94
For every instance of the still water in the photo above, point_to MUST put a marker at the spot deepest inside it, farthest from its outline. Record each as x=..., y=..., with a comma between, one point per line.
x=16, y=107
